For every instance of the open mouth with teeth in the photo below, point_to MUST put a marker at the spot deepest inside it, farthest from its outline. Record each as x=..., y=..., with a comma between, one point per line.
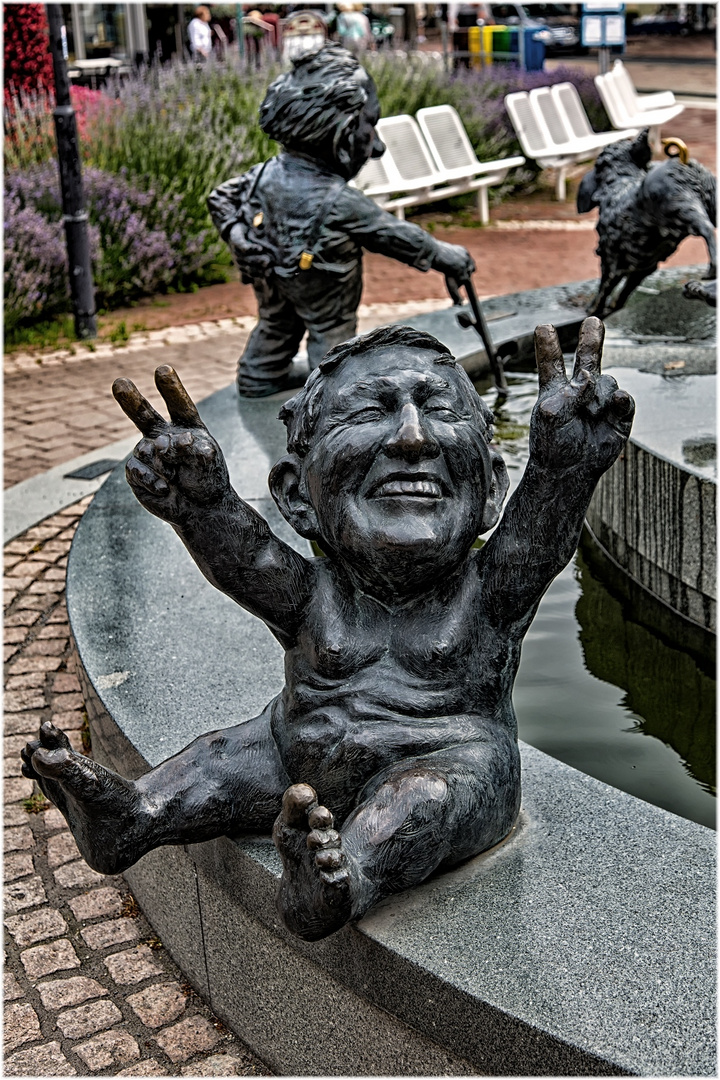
x=408, y=487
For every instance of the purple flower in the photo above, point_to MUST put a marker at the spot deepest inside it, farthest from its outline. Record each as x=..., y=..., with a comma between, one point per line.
x=141, y=242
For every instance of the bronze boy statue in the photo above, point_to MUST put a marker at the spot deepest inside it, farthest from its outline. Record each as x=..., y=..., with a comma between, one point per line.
x=392, y=750
x=297, y=230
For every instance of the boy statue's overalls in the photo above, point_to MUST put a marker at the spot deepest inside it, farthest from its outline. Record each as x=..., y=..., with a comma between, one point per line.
x=392, y=750
x=297, y=230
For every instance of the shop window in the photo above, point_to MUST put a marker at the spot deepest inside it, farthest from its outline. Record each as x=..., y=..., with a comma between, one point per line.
x=104, y=30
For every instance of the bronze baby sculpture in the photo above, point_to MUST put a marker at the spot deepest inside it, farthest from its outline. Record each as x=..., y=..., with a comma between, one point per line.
x=392, y=750
x=297, y=230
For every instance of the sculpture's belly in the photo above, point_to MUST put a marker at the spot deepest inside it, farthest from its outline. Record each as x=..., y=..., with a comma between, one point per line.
x=338, y=746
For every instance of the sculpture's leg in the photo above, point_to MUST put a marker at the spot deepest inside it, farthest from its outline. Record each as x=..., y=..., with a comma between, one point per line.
x=327, y=304
x=417, y=816
x=598, y=306
x=629, y=286
x=702, y=226
x=229, y=781
x=265, y=363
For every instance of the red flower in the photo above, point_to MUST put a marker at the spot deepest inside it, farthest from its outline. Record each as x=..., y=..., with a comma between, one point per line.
x=28, y=63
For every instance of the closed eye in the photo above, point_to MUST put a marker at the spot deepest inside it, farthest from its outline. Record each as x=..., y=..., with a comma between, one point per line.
x=363, y=416
x=442, y=412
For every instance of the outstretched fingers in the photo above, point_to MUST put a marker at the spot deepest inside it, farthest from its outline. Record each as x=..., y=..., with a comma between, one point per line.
x=180, y=405
x=549, y=358
x=138, y=408
x=588, y=356
x=149, y=421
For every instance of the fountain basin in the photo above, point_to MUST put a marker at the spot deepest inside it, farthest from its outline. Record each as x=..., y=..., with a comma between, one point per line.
x=548, y=955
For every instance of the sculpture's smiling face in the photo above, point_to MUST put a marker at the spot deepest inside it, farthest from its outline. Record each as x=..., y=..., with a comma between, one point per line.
x=399, y=459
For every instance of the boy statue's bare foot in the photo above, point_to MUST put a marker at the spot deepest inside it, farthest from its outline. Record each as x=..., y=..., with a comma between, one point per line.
x=315, y=896
x=101, y=808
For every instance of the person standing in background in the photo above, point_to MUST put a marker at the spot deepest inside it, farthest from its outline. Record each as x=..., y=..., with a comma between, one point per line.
x=200, y=35
x=353, y=28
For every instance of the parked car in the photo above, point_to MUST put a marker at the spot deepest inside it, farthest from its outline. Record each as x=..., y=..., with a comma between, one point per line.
x=668, y=19
x=557, y=27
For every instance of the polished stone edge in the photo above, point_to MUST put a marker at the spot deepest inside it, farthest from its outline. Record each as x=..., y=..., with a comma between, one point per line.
x=657, y=521
x=212, y=904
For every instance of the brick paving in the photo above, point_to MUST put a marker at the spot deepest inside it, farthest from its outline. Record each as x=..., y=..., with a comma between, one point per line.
x=88, y=988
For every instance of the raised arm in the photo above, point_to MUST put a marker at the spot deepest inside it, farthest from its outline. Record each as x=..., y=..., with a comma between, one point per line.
x=577, y=430
x=177, y=472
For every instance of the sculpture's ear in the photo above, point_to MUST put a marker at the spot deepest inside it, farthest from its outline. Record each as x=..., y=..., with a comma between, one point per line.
x=288, y=490
x=499, y=485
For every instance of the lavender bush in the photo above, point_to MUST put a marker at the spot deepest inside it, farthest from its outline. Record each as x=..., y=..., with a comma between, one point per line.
x=183, y=130
x=140, y=242
x=35, y=271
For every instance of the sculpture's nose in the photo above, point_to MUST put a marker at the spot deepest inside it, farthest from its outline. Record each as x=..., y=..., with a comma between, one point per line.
x=411, y=440
x=378, y=147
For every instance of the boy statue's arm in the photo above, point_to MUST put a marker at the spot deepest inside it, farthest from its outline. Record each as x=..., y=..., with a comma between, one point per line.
x=177, y=471
x=578, y=429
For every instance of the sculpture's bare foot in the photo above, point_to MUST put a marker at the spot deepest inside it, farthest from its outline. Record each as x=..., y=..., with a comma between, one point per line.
x=315, y=896
x=98, y=805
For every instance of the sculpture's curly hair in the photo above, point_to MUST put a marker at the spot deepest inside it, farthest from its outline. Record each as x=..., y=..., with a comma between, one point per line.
x=318, y=102
x=301, y=413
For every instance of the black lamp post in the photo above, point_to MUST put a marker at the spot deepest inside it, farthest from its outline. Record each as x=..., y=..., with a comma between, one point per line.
x=74, y=216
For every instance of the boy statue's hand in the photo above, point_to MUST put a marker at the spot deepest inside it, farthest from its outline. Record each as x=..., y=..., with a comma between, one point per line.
x=177, y=466
x=583, y=421
x=453, y=261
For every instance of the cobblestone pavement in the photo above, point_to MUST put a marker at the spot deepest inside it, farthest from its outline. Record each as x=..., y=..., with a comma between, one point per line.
x=89, y=990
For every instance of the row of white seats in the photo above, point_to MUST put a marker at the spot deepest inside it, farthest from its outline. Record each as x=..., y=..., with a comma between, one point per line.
x=627, y=108
x=554, y=130
x=427, y=159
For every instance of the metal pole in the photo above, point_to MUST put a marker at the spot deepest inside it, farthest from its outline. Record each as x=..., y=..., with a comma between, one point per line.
x=603, y=60
x=75, y=218
x=240, y=34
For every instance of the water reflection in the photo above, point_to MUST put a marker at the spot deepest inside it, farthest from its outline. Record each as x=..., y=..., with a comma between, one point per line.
x=666, y=688
x=610, y=681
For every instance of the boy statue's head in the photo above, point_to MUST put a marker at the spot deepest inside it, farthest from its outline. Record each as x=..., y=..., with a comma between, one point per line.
x=326, y=107
x=389, y=464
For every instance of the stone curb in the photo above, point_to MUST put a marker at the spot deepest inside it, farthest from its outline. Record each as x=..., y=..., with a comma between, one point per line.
x=187, y=332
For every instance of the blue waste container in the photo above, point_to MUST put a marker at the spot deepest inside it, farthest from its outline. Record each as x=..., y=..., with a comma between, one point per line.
x=534, y=50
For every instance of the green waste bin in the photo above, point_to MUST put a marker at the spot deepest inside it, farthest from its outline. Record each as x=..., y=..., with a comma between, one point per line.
x=501, y=42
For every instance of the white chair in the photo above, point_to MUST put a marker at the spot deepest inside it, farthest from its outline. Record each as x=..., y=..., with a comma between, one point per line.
x=454, y=155
x=545, y=135
x=635, y=102
x=406, y=174
x=611, y=92
x=569, y=104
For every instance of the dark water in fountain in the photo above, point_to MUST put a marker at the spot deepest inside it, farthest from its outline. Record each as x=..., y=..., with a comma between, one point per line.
x=599, y=686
